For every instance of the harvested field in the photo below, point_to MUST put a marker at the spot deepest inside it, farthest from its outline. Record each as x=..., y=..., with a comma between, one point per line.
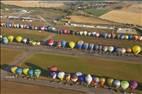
x=35, y=4
x=88, y=20
x=123, y=16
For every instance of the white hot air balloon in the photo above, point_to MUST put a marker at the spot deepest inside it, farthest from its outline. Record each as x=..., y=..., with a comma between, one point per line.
x=78, y=73
x=88, y=79
x=111, y=49
x=123, y=50
x=105, y=48
x=81, y=33
x=85, y=33
x=61, y=75
x=116, y=83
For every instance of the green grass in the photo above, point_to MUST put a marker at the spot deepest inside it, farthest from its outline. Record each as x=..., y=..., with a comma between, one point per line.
x=96, y=12
x=104, y=67
x=9, y=55
x=45, y=35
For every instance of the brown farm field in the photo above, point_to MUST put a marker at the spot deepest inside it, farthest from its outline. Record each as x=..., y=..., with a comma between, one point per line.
x=21, y=88
x=88, y=20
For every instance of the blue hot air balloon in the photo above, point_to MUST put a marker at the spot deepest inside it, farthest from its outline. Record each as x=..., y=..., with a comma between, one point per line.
x=85, y=46
x=63, y=43
x=79, y=44
x=91, y=47
x=19, y=71
x=31, y=73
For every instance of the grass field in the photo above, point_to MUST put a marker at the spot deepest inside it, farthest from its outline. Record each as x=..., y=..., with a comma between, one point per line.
x=45, y=35
x=103, y=67
x=21, y=88
x=96, y=12
x=9, y=55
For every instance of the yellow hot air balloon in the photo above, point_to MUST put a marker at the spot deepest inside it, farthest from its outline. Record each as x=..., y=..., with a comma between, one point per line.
x=13, y=69
x=136, y=49
x=72, y=44
x=25, y=71
x=19, y=39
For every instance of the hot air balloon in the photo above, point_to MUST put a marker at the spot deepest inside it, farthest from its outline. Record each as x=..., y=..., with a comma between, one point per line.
x=91, y=46
x=113, y=35
x=123, y=50
x=25, y=40
x=4, y=40
x=79, y=44
x=111, y=49
x=85, y=33
x=19, y=39
x=31, y=73
x=59, y=44
x=81, y=78
x=50, y=42
x=110, y=82
x=136, y=49
x=37, y=73
x=85, y=46
x=96, y=47
x=133, y=85
x=96, y=81
x=72, y=44
x=61, y=75
x=104, y=35
x=116, y=83
x=88, y=79
x=78, y=73
x=13, y=69
x=53, y=75
x=136, y=37
x=67, y=77
x=124, y=85
x=53, y=69
x=102, y=82
x=97, y=35
x=10, y=38
x=93, y=33
x=38, y=43
x=109, y=36
x=105, y=48
x=63, y=43
x=128, y=50
x=33, y=43
x=1, y=38
x=140, y=38
x=81, y=33
x=89, y=34
x=74, y=78
x=19, y=71
x=25, y=71
x=126, y=37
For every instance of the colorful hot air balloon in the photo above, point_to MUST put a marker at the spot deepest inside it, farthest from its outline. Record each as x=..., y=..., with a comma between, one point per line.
x=124, y=85
x=53, y=75
x=1, y=38
x=10, y=38
x=88, y=79
x=116, y=83
x=78, y=73
x=13, y=69
x=110, y=82
x=25, y=71
x=53, y=69
x=19, y=38
x=31, y=73
x=63, y=43
x=102, y=82
x=50, y=42
x=96, y=81
x=37, y=73
x=91, y=47
x=61, y=75
x=19, y=71
x=74, y=78
x=133, y=85
x=81, y=78
x=67, y=77
x=136, y=49
x=79, y=44
x=4, y=40
x=59, y=44
x=72, y=44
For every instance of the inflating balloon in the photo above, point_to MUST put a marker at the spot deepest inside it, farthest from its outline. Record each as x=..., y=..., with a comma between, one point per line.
x=61, y=75
x=102, y=81
x=31, y=72
x=72, y=44
x=88, y=79
x=50, y=42
x=67, y=77
x=116, y=83
x=110, y=81
x=25, y=71
x=19, y=71
x=10, y=38
x=74, y=78
x=63, y=43
x=136, y=49
x=37, y=73
x=4, y=40
x=13, y=69
x=133, y=85
x=19, y=39
x=124, y=85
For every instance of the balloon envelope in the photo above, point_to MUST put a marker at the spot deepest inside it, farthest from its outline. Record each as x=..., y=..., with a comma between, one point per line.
x=110, y=81
x=124, y=85
x=88, y=79
x=71, y=44
x=13, y=69
x=116, y=83
x=61, y=75
x=53, y=68
x=18, y=39
x=5, y=40
x=37, y=73
x=10, y=38
x=31, y=72
x=19, y=71
x=25, y=71
x=50, y=42
x=133, y=84
x=63, y=43
x=136, y=49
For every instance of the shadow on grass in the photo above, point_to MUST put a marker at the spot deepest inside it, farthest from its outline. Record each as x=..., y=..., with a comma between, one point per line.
x=33, y=66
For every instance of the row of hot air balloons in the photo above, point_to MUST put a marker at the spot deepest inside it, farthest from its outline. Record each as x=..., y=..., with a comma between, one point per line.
x=27, y=72
x=136, y=49
x=104, y=35
x=91, y=80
